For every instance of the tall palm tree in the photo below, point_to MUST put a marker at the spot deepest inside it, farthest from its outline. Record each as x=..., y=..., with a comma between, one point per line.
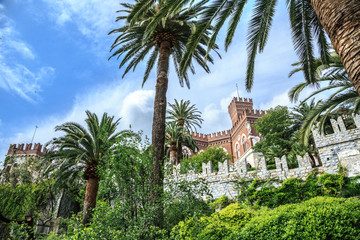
x=186, y=116
x=309, y=19
x=83, y=149
x=176, y=137
x=167, y=37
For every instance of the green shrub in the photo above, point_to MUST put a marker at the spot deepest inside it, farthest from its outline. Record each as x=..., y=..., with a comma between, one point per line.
x=220, y=203
x=318, y=218
x=217, y=226
x=295, y=190
x=214, y=154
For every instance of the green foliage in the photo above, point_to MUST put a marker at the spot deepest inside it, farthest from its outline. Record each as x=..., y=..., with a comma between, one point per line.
x=318, y=218
x=220, y=203
x=19, y=231
x=295, y=190
x=124, y=209
x=7, y=160
x=278, y=129
x=217, y=226
x=182, y=200
x=214, y=154
x=16, y=202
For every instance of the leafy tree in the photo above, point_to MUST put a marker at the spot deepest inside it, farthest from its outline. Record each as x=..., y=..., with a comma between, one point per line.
x=167, y=37
x=187, y=117
x=276, y=131
x=123, y=210
x=81, y=150
x=214, y=155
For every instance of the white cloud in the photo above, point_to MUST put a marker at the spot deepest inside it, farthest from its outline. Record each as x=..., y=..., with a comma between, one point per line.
x=135, y=107
x=93, y=18
x=15, y=77
x=10, y=39
x=20, y=80
x=281, y=99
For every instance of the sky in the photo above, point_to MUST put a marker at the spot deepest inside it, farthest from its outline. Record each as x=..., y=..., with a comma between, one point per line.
x=54, y=66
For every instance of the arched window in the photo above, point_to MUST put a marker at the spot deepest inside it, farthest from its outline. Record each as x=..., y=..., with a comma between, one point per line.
x=186, y=152
x=243, y=142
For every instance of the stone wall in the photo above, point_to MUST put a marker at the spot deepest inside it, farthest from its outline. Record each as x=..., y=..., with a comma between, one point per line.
x=223, y=182
x=341, y=147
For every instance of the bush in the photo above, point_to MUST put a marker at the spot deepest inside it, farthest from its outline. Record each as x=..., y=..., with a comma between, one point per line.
x=318, y=218
x=214, y=154
x=296, y=190
x=217, y=226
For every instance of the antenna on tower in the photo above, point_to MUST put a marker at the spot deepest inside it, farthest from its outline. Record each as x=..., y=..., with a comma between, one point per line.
x=237, y=89
x=36, y=127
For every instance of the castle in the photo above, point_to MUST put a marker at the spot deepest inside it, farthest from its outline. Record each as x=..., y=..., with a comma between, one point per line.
x=20, y=155
x=339, y=148
x=238, y=140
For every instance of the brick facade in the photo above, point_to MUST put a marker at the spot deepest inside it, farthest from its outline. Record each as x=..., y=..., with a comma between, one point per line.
x=241, y=137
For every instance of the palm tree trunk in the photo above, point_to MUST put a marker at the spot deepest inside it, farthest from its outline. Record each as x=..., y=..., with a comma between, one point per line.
x=341, y=21
x=92, y=187
x=173, y=150
x=158, y=128
x=179, y=154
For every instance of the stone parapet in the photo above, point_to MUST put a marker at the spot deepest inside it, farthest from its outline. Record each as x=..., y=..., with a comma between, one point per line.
x=223, y=182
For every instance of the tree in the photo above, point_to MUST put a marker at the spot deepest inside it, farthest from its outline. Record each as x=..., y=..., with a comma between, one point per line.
x=210, y=154
x=309, y=19
x=276, y=131
x=82, y=150
x=187, y=117
x=167, y=37
x=176, y=137
x=342, y=95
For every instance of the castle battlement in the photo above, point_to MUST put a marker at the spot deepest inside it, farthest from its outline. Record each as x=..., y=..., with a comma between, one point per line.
x=255, y=112
x=222, y=182
x=211, y=136
x=340, y=135
x=18, y=149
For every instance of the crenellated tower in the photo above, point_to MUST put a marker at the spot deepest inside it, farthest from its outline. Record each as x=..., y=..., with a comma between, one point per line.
x=238, y=140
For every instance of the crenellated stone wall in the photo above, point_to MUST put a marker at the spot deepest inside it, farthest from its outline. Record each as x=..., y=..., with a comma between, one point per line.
x=222, y=182
x=341, y=147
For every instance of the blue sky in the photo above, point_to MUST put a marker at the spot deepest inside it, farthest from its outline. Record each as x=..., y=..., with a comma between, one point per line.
x=53, y=67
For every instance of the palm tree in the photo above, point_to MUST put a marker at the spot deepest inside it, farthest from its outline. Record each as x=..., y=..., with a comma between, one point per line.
x=309, y=20
x=342, y=94
x=298, y=116
x=167, y=37
x=186, y=116
x=299, y=113
x=82, y=150
x=176, y=137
